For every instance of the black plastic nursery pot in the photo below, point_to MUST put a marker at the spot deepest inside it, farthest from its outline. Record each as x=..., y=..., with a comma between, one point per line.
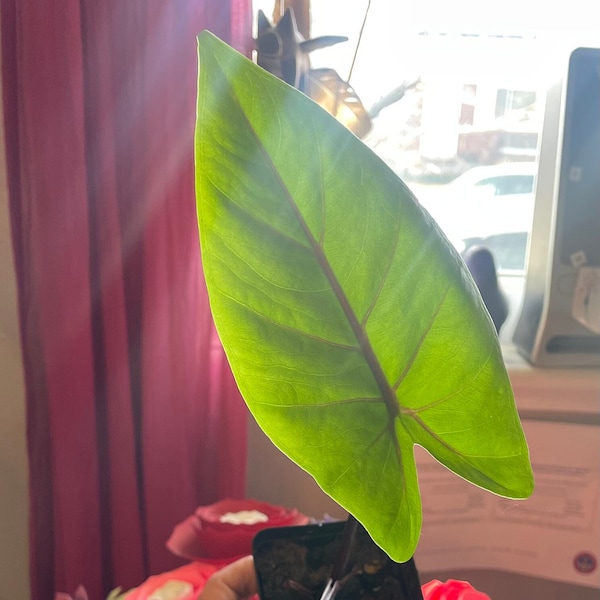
x=295, y=563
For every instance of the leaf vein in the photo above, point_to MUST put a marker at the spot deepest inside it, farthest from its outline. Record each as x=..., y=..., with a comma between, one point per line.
x=383, y=278
x=322, y=404
x=253, y=216
x=421, y=341
x=362, y=454
x=300, y=332
x=457, y=392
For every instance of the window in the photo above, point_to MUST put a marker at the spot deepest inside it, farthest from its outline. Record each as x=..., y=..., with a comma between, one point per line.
x=465, y=138
x=516, y=102
x=467, y=110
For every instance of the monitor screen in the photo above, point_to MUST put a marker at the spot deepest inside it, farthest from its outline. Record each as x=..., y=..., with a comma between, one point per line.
x=578, y=232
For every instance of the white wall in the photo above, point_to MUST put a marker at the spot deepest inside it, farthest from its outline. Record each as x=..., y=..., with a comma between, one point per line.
x=14, y=492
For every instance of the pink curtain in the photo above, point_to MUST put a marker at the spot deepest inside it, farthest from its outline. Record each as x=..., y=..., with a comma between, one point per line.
x=133, y=417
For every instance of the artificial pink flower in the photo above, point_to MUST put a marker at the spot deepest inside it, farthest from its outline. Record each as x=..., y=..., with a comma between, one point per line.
x=195, y=574
x=451, y=590
x=80, y=594
x=212, y=532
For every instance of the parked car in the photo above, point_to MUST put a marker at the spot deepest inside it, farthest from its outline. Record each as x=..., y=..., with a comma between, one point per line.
x=500, y=180
x=490, y=205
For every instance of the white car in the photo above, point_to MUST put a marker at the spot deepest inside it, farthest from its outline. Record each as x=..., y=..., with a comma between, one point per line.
x=489, y=204
x=504, y=179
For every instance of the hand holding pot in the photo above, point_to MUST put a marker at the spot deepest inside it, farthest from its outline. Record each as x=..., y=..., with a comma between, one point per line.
x=236, y=581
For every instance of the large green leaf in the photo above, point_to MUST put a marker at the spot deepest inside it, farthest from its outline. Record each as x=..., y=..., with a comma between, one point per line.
x=352, y=327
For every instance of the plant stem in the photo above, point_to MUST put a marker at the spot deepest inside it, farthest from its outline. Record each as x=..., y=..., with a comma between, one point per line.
x=340, y=566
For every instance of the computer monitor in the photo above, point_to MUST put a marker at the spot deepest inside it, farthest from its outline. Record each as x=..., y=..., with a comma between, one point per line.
x=565, y=234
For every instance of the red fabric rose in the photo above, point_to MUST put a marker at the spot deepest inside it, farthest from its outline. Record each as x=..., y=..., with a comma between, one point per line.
x=451, y=590
x=210, y=534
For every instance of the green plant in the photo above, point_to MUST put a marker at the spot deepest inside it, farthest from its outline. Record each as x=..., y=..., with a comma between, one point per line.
x=352, y=327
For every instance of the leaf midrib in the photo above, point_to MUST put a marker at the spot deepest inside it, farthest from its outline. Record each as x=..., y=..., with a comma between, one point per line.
x=387, y=393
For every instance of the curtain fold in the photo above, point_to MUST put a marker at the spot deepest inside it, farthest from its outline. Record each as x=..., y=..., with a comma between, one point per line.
x=133, y=416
